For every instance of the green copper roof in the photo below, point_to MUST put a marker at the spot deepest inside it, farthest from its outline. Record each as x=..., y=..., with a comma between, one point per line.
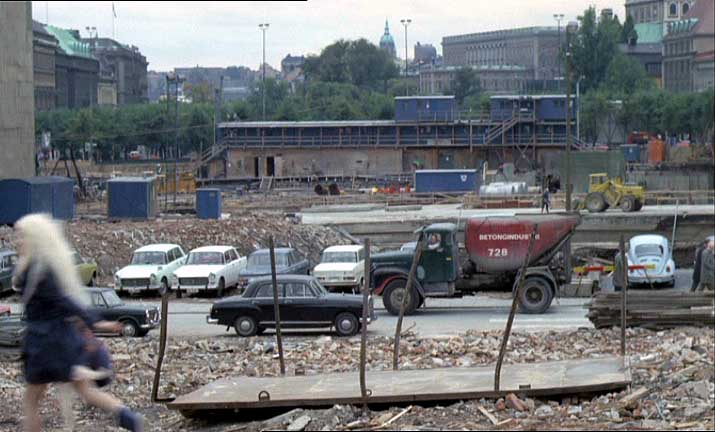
x=69, y=43
x=682, y=26
x=649, y=32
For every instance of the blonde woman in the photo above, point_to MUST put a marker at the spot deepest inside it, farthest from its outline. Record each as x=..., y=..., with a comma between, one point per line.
x=54, y=349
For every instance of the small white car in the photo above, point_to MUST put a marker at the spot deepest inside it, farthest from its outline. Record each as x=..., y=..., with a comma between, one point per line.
x=151, y=268
x=341, y=267
x=651, y=249
x=209, y=268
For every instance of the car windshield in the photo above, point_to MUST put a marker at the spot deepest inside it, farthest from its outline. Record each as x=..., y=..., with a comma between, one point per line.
x=205, y=258
x=264, y=260
x=149, y=258
x=112, y=298
x=339, y=257
x=318, y=288
x=649, y=250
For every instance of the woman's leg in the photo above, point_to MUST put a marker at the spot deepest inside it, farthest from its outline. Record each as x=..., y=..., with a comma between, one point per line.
x=93, y=396
x=33, y=395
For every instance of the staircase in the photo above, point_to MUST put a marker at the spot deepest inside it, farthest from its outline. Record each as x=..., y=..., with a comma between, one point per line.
x=501, y=129
x=266, y=184
x=207, y=156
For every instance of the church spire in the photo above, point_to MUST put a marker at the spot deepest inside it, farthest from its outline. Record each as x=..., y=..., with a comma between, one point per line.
x=387, y=27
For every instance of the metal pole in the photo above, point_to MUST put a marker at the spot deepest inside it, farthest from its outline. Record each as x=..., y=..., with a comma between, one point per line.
x=568, y=121
x=405, y=23
x=176, y=138
x=624, y=295
x=363, y=336
x=276, y=306
x=578, y=109
x=263, y=28
x=403, y=304
x=512, y=312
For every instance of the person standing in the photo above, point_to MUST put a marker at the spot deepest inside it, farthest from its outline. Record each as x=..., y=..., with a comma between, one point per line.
x=545, y=201
x=54, y=348
x=707, y=268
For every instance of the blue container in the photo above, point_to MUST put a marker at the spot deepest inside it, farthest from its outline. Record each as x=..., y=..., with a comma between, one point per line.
x=208, y=203
x=450, y=181
x=631, y=152
x=425, y=108
x=52, y=195
x=131, y=198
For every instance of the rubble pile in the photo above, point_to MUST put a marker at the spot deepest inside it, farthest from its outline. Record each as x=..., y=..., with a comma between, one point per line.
x=112, y=243
x=673, y=381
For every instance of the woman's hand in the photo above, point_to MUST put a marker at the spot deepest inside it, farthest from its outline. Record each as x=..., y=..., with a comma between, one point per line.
x=108, y=326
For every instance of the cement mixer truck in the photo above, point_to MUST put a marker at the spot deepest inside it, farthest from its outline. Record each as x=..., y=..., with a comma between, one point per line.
x=495, y=249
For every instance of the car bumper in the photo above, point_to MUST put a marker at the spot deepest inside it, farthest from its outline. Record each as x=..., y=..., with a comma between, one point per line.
x=338, y=283
x=150, y=326
x=640, y=279
x=210, y=320
x=134, y=289
x=192, y=289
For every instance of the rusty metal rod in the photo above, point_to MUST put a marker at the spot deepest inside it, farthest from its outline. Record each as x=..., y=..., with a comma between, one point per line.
x=276, y=306
x=403, y=304
x=512, y=312
x=624, y=295
x=363, y=335
x=162, y=349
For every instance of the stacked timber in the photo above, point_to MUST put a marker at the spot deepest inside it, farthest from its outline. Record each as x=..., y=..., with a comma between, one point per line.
x=653, y=310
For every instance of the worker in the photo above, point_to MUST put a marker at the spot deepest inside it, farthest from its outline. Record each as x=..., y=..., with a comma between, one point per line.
x=707, y=268
x=698, y=262
x=434, y=242
x=545, y=201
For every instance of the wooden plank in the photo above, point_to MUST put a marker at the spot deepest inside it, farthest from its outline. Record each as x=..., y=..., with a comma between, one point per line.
x=536, y=379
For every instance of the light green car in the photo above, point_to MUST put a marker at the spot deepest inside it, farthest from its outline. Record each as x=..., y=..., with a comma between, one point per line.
x=87, y=270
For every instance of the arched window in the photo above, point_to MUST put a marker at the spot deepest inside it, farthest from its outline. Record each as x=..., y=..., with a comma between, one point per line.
x=686, y=8
x=673, y=10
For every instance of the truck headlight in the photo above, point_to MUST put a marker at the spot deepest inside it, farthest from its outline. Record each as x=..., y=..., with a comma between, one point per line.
x=212, y=278
x=152, y=279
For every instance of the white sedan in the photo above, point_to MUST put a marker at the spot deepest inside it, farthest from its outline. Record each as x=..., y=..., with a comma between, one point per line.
x=209, y=268
x=341, y=267
x=653, y=251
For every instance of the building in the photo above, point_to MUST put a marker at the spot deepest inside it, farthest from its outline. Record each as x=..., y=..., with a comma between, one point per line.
x=500, y=79
x=689, y=50
x=656, y=13
x=535, y=49
x=428, y=131
x=292, y=71
x=76, y=70
x=44, y=49
x=156, y=85
x=17, y=112
x=648, y=54
x=425, y=54
x=123, y=64
x=387, y=43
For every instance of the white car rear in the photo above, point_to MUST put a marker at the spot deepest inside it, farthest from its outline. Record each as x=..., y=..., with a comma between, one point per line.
x=341, y=267
x=209, y=268
x=653, y=251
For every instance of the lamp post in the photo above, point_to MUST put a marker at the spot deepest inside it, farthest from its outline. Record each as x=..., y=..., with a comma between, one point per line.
x=264, y=27
x=558, y=18
x=578, y=107
x=568, y=121
x=406, y=22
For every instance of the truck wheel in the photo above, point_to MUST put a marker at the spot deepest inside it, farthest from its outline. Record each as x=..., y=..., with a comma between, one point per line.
x=596, y=202
x=628, y=204
x=392, y=297
x=346, y=324
x=245, y=326
x=639, y=205
x=535, y=296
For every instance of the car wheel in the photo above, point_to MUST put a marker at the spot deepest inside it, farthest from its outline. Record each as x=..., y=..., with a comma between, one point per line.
x=393, y=294
x=92, y=280
x=245, y=326
x=129, y=328
x=346, y=324
x=178, y=292
x=536, y=296
x=221, y=288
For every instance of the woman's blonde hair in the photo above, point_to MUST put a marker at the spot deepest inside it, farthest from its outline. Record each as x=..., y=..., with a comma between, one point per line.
x=45, y=244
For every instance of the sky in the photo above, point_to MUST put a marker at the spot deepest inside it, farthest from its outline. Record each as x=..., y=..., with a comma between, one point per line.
x=183, y=34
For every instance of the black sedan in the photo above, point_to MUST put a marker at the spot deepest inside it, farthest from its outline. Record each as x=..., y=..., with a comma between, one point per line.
x=304, y=303
x=259, y=264
x=136, y=320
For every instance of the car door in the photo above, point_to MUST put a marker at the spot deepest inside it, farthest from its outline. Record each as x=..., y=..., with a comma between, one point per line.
x=99, y=306
x=263, y=300
x=305, y=305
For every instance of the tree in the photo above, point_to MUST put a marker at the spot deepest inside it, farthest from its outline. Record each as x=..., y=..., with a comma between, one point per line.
x=625, y=76
x=466, y=83
x=629, y=34
x=594, y=45
x=202, y=92
x=595, y=110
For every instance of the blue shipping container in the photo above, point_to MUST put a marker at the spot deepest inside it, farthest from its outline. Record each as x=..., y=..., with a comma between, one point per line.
x=208, y=203
x=52, y=195
x=131, y=198
x=631, y=152
x=451, y=181
x=424, y=108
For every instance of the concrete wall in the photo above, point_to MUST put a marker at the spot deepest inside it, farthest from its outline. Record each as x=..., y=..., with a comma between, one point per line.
x=17, y=119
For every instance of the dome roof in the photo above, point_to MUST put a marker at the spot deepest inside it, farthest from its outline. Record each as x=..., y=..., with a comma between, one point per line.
x=386, y=38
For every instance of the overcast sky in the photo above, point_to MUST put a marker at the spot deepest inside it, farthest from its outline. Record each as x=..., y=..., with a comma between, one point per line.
x=226, y=33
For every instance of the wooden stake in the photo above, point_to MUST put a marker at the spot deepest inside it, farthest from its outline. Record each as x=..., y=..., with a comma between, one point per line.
x=276, y=306
x=624, y=295
x=363, y=336
x=403, y=304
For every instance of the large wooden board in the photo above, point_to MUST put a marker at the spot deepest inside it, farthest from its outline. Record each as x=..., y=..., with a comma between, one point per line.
x=535, y=379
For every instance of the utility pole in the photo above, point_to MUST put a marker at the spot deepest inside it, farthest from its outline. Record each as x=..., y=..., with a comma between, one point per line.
x=558, y=18
x=568, y=120
x=264, y=27
x=405, y=23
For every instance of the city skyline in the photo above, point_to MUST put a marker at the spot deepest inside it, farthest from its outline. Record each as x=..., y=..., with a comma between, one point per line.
x=181, y=37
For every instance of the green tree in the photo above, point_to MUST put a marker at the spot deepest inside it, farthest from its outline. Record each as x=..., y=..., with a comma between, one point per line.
x=199, y=93
x=629, y=34
x=594, y=45
x=595, y=110
x=466, y=84
x=625, y=75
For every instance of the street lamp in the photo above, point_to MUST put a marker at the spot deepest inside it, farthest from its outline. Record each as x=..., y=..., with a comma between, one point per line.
x=558, y=18
x=264, y=27
x=405, y=23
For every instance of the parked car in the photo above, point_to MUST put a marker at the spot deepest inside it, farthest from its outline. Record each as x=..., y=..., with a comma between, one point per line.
x=341, y=267
x=209, y=268
x=259, y=264
x=651, y=249
x=87, y=269
x=136, y=320
x=304, y=303
x=151, y=268
x=8, y=259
